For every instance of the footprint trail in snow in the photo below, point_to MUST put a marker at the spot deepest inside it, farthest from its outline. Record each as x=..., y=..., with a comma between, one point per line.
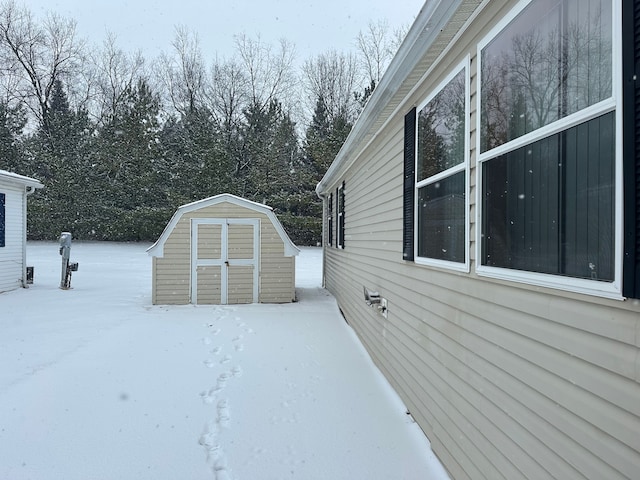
x=213, y=396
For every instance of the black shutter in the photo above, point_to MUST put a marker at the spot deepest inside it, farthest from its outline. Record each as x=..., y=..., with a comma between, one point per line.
x=330, y=220
x=341, y=224
x=631, y=147
x=338, y=208
x=409, y=184
x=2, y=219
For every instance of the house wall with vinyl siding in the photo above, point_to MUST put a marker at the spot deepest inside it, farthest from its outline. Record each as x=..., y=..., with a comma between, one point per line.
x=11, y=254
x=507, y=380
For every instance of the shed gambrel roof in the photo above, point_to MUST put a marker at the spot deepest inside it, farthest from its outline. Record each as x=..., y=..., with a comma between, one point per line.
x=157, y=249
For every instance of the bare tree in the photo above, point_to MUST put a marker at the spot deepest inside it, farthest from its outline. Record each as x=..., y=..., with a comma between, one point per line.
x=115, y=73
x=35, y=56
x=532, y=77
x=182, y=74
x=269, y=73
x=332, y=78
x=228, y=93
x=376, y=46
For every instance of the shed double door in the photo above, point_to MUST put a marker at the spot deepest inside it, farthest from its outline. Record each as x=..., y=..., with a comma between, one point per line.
x=224, y=260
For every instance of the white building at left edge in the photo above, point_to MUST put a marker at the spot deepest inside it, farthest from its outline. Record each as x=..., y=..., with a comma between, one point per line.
x=14, y=190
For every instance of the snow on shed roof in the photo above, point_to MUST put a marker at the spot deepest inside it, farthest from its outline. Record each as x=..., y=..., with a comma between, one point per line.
x=20, y=179
x=157, y=249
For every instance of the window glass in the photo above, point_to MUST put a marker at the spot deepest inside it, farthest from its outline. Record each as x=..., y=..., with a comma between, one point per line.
x=441, y=219
x=441, y=214
x=548, y=207
x=441, y=130
x=554, y=59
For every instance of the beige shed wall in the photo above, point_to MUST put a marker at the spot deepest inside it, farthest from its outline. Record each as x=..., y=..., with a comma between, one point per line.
x=171, y=273
x=508, y=381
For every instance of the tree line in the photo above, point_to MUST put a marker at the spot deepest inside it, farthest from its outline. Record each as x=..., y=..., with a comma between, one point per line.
x=120, y=140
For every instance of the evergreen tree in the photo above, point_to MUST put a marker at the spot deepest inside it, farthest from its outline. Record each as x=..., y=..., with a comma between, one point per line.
x=271, y=148
x=127, y=168
x=57, y=153
x=197, y=163
x=115, y=163
x=12, y=122
x=324, y=138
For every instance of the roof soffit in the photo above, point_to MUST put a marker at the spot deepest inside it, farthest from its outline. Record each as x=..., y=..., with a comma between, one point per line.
x=435, y=27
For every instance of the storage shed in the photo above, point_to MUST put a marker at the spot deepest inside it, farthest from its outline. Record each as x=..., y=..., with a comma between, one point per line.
x=223, y=250
x=14, y=189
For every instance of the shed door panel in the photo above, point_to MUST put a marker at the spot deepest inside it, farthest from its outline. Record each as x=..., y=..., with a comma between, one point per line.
x=225, y=260
x=209, y=241
x=209, y=285
x=240, y=242
x=240, y=284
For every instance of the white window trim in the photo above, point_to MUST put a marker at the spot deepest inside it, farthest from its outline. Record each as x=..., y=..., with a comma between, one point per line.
x=465, y=66
x=612, y=289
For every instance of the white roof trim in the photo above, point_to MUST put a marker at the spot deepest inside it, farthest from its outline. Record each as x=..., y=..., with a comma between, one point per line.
x=430, y=21
x=20, y=179
x=157, y=249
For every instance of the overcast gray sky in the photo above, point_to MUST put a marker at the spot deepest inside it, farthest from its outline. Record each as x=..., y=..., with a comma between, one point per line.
x=313, y=26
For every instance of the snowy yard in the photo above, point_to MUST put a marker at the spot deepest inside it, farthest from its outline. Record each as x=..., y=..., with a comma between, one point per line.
x=97, y=383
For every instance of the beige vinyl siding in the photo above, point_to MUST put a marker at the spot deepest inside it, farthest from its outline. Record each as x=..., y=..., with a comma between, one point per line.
x=172, y=274
x=240, y=241
x=277, y=279
x=209, y=241
x=240, y=287
x=11, y=254
x=484, y=375
x=277, y=272
x=209, y=285
x=172, y=271
x=508, y=381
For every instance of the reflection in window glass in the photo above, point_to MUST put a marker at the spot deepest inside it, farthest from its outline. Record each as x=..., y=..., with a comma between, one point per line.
x=441, y=174
x=441, y=130
x=552, y=60
x=441, y=219
x=549, y=207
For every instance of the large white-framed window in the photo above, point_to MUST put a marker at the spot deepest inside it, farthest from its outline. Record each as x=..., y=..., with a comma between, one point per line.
x=549, y=143
x=441, y=234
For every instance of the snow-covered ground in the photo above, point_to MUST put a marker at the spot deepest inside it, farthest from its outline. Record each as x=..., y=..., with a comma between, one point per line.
x=97, y=383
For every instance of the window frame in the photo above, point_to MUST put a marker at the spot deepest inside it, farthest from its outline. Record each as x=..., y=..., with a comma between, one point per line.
x=463, y=66
x=612, y=104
